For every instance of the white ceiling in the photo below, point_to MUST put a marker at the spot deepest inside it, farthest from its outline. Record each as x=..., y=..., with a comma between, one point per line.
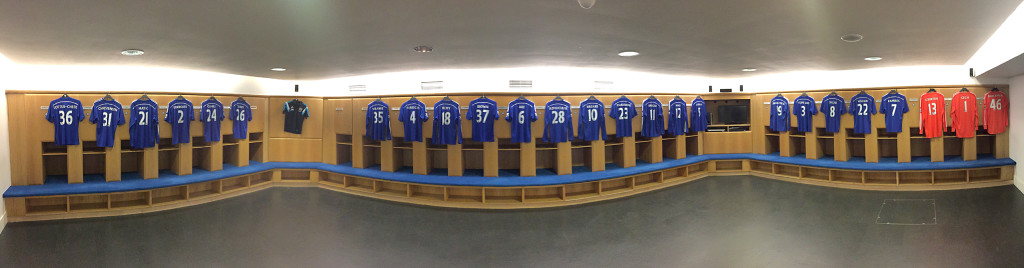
x=318, y=39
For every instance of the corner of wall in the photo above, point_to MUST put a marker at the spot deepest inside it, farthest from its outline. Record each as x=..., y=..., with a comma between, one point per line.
x=1017, y=141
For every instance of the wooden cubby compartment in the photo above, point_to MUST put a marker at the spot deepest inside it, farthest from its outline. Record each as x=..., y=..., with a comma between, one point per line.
x=508, y=154
x=46, y=204
x=371, y=153
x=542, y=194
x=855, y=144
x=950, y=176
x=55, y=165
x=919, y=144
x=197, y=190
x=797, y=142
x=231, y=149
x=256, y=147
x=261, y=178
x=850, y=176
x=763, y=167
x=674, y=174
x=392, y=188
x=295, y=175
x=616, y=185
x=402, y=153
x=333, y=179
x=647, y=179
x=438, y=155
x=772, y=144
x=131, y=161
x=344, y=149
x=888, y=148
x=359, y=183
x=472, y=155
x=914, y=177
x=582, y=190
x=582, y=153
x=826, y=141
x=129, y=199
x=697, y=169
x=464, y=194
x=94, y=158
x=880, y=177
x=89, y=202
x=614, y=151
x=787, y=170
x=503, y=195
x=170, y=194
x=729, y=165
x=426, y=192
x=984, y=174
x=547, y=157
x=814, y=173
x=951, y=145
x=986, y=142
x=692, y=144
x=234, y=183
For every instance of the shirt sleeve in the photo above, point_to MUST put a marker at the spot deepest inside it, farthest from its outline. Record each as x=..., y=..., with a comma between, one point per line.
x=469, y=112
x=120, y=116
x=533, y=114
x=305, y=111
x=494, y=111
x=93, y=117
x=204, y=114
x=871, y=108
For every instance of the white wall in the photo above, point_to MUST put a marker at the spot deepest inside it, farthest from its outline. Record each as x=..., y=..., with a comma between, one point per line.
x=5, y=149
x=1017, y=141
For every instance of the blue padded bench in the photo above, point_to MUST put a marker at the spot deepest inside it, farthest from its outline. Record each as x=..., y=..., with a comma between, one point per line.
x=471, y=179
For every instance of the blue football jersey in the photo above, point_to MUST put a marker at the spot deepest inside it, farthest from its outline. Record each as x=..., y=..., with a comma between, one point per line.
x=447, y=123
x=591, y=125
x=676, y=117
x=653, y=123
x=211, y=113
x=378, y=121
x=482, y=112
x=143, y=125
x=779, y=119
x=180, y=115
x=862, y=106
x=412, y=114
x=65, y=113
x=241, y=114
x=804, y=109
x=833, y=106
x=557, y=121
x=894, y=105
x=521, y=114
x=623, y=110
x=698, y=115
x=107, y=115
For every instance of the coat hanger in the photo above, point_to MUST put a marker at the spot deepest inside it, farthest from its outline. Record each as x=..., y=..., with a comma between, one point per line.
x=446, y=98
x=144, y=97
x=779, y=95
x=558, y=97
x=995, y=89
x=212, y=98
x=64, y=96
x=651, y=97
x=521, y=97
x=833, y=93
x=677, y=98
x=108, y=97
x=413, y=98
x=892, y=91
x=804, y=94
x=482, y=96
x=963, y=89
x=591, y=97
x=862, y=92
x=179, y=97
x=240, y=98
x=931, y=90
x=622, y=96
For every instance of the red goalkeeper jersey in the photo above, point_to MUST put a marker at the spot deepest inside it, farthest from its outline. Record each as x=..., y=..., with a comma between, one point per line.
x=964, y=114
x=933, y=114
x=995, y=117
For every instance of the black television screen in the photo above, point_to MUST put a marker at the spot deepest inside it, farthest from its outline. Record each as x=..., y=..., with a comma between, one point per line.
x=734, y=114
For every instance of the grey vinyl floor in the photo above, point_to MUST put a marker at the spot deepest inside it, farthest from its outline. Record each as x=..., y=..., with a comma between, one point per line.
x=737, y=221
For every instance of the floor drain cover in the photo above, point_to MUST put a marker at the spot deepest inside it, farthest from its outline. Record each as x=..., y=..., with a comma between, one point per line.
x=907, y=212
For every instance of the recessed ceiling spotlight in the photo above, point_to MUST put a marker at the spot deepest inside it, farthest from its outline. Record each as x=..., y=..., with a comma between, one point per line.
x=851, y=38
x=628, y=53
x=132, y=52
x=278, y=69
x=749, y=69
x=873, y=58
x=423, y=49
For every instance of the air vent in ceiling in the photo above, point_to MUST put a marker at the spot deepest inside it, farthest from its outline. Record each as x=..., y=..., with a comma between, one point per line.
x=604, y=85
x=357, y=88
x=432, y=85
x=520, y=84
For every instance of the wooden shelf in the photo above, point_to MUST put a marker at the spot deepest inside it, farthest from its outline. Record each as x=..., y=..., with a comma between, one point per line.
x=168, y=149
x=65, y=153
